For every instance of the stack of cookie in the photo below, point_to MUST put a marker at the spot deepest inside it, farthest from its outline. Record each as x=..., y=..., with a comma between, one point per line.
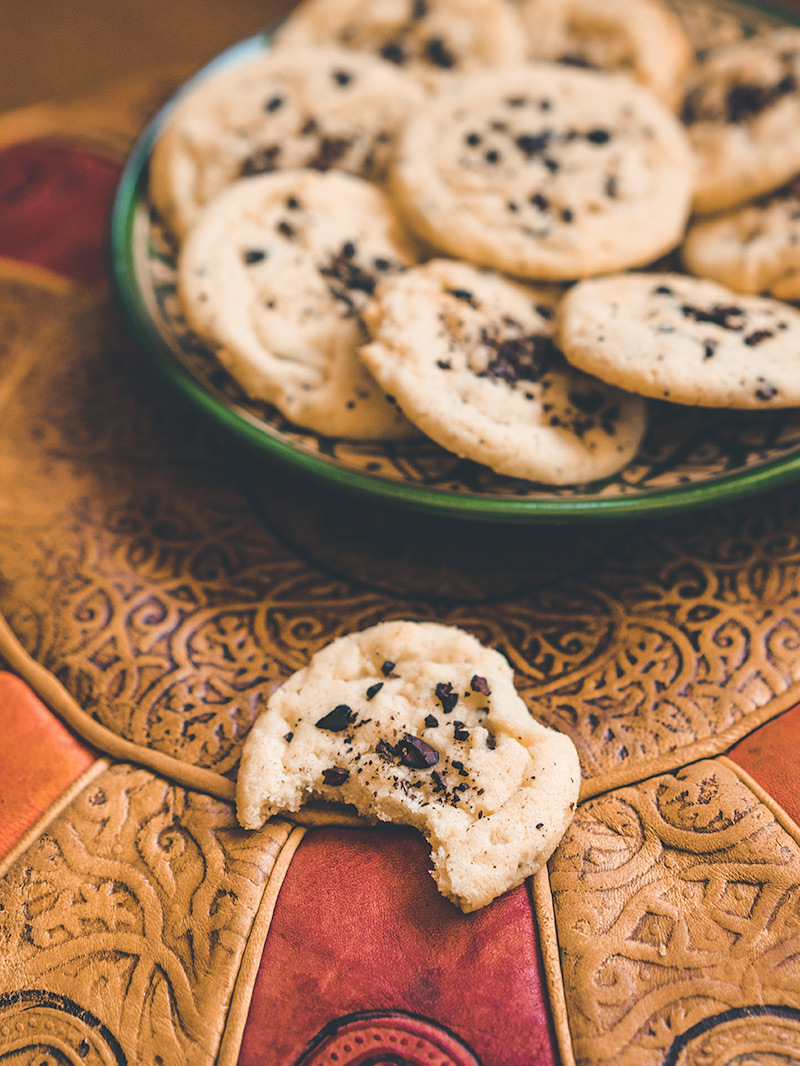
x=421, y=216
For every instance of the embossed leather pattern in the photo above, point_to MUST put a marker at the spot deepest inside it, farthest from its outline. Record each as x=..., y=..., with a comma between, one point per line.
x=156, y=584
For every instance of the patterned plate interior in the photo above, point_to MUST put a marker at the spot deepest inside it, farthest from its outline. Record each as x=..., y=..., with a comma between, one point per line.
x=691, y=457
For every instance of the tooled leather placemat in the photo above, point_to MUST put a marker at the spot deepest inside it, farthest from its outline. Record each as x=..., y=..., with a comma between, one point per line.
x=157, y=583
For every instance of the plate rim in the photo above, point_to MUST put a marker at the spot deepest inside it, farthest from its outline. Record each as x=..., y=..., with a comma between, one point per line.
x=131, y=192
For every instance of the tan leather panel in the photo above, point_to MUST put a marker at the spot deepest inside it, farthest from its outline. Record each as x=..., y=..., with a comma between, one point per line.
x=135, y=904
x=155, y=589
x=676, y=908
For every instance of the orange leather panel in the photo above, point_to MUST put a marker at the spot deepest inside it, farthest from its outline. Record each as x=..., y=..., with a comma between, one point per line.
x=360, y=927
x=771, y=755
x=39, y=759
x=44, y=221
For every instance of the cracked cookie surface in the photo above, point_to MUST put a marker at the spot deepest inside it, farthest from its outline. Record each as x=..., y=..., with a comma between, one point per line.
x=742, y=110
x=471, y=360
x=684, y=339
x=418, y=723
x=641, y=38
x=274, y=275
x=323, y=108
x=546, y=172
x=432, y=38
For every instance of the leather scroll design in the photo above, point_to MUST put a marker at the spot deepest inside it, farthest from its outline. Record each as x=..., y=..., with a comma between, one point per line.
x=676, y=903
x=135, y=903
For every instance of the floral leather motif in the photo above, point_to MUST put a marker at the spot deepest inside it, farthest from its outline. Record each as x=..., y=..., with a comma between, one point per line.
x=156, y=584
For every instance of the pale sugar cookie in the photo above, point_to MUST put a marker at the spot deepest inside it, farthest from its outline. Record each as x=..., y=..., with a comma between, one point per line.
x=418, y=723
x=546, y=172
x=471, y=360
x=684, y=339
x=274, y=275
x=324, y=108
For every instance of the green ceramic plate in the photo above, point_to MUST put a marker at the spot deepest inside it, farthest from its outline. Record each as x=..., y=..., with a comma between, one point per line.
x=690, y=458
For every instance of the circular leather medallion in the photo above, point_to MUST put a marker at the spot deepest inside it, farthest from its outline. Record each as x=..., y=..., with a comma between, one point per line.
x=42, y=1029
x=392, y=1038
x=760, y=1035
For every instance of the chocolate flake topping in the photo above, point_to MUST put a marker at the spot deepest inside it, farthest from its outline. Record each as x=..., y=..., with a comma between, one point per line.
x=337, y=720
x=463, y=294
x=330, y=152
x=253, y=255
x=437, y=52
x=287, y=737
x=373, y=690
x=598, y=136
x=766, y=392
x=335, y=775
x=719, y=315
x=260, y=162
x=459, y=732
x=757, y=337
x=419, y=10
x=531, y=144
x=522, y=358
x=480, y=684
x=431, y=721
x=386, y=751
x=342, y=77
x=273, y=104
x=446, y=696
x=491, y=741
x=393, y=52
x=387, y=668
x=416, y=753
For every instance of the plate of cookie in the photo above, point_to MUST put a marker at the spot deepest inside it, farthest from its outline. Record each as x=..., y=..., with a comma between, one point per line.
x=509, y=260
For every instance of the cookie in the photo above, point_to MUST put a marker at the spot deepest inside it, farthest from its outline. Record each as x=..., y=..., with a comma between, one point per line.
x=418, y=723
x=742, y=110
x=752, y=249
x=308, y=107
x=273, y=276
x=641, y=38
x=546, y=172
x=432, y=38
x=470, y=358
x=684, y=339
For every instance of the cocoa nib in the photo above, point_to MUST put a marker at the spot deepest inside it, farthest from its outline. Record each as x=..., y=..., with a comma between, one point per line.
x=337, y=720
x=446, y=696
x=522, y=358
x=260, y=162
x=335, y=775
x=718, y=315
x=386, y=751
x=416, y=753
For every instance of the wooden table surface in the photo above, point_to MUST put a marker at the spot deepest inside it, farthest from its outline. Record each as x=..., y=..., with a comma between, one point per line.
x=54, y=50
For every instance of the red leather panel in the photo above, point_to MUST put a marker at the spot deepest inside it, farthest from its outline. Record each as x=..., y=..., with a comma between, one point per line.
x=39, y=759
x=55, y=201
x=771, y=755
x=359, y=926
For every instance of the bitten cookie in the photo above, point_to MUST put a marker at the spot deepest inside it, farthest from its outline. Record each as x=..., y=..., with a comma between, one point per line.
x=419, y=724
x=471, y=360
x=743, y=113
x=432, y=38
x=273, y=276
x=324, y=108
x=753, y=249
x=546, y=172
x=684, y=339
x=641, y=38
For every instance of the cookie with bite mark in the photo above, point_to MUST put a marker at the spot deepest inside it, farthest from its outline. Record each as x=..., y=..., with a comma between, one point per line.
x=418, y=723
